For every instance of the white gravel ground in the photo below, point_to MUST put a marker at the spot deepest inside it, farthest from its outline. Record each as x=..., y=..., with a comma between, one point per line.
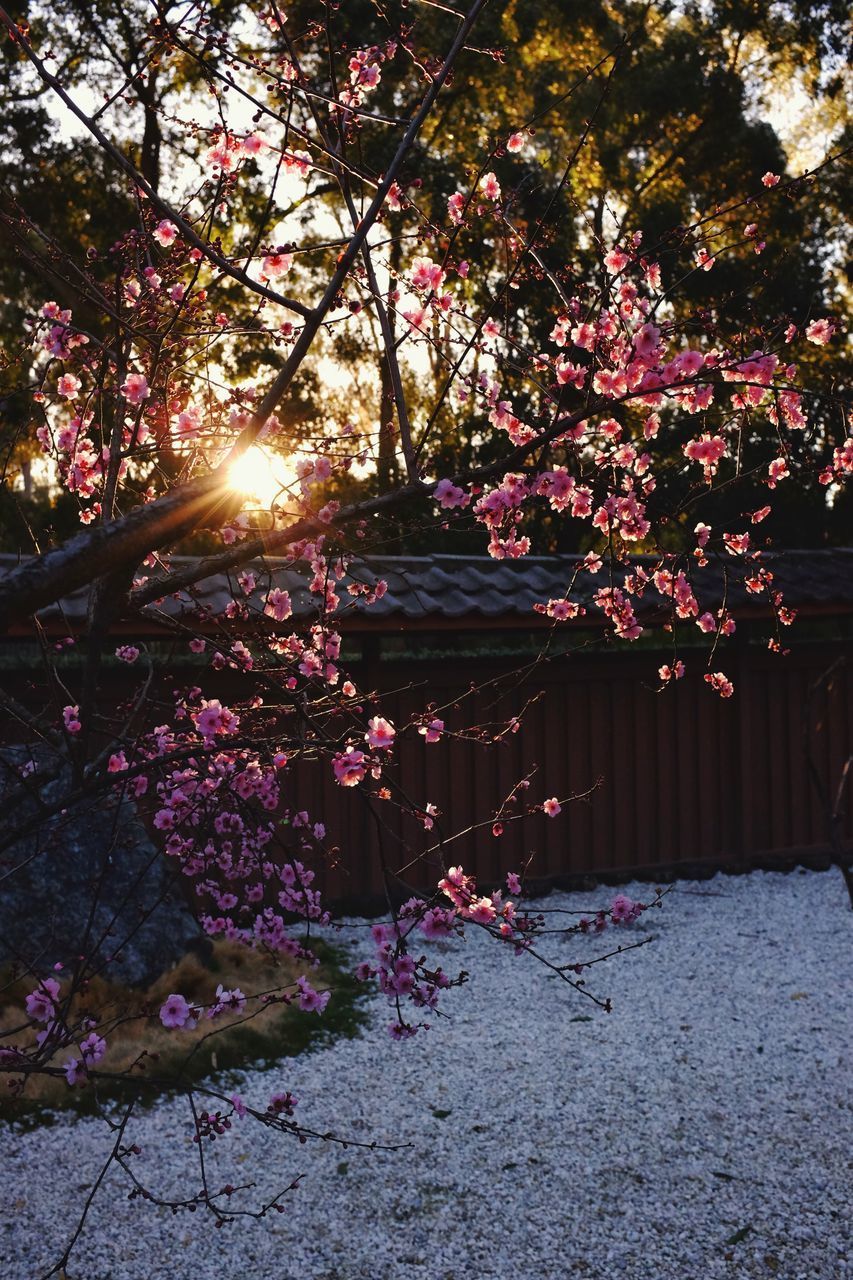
x=714, y=1102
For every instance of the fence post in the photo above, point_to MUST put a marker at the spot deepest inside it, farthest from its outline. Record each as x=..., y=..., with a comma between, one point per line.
x=744, y=799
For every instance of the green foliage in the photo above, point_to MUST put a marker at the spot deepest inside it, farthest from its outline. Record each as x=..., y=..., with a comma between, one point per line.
x=641, y=118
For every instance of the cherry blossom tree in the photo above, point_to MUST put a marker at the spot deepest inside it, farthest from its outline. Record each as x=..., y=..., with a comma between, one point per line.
x=140, y=413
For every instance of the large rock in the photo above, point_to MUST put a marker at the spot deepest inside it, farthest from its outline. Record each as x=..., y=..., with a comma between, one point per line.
x=88, y=881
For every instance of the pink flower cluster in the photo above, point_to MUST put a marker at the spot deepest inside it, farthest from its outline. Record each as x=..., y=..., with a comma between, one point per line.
x=623, y=911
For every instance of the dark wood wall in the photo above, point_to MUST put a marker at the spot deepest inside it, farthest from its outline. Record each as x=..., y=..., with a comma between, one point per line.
x=679, y=780
x=684, y=778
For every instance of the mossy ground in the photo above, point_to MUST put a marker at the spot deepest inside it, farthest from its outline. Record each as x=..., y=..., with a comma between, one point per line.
x=149, y=1060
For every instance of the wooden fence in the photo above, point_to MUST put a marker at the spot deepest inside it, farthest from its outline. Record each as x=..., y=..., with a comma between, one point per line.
x=683, y=779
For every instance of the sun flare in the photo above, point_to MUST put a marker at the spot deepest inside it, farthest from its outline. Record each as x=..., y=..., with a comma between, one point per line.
x=260, y=475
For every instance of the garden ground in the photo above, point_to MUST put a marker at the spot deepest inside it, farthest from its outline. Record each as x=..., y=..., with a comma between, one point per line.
x=701, y=1130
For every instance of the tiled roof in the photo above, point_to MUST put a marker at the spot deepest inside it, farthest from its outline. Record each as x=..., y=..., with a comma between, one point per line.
x=472, y=588
x=460, y=587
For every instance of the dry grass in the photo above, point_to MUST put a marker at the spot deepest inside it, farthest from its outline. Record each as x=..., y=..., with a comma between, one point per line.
x=150, y=1058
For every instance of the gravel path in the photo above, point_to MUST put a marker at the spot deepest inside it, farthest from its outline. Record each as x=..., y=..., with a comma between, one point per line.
x=701, y=1130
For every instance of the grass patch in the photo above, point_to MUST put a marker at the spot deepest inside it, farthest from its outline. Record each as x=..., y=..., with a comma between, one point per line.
x=153, y=1060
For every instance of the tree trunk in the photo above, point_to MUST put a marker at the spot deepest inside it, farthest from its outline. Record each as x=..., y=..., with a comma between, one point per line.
x=387, y=468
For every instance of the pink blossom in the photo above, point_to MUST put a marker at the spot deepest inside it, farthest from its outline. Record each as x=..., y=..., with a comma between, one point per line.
x=242, y=655
x=230, y=1001
x=222, y=155
x=562, y=610
x=431, y=812
x=117, y=762
x=480, y=910
x=70, y=716
x=515, y=142
x=75, y=1071
x=68, y=386
x=455, y=207
x=437, y=923
x=416, y=318
x=610, y=383
x=820, y=331
x=449, y=495
x=719, y=682
x=135, y=388
x=585, y=336
x=189, y=422
x=490, y=187
x=513, y=883
x=623, y=909
x=552, y=807
x=426, y=274
x=127, y=653
x=652, y=275
x=175, y=1012
x=297, y=162
x=276, y=265
x=282, y=1104
x=689, y=363
x=311, y=1001
x=770, y=179
x=212, y=719
x=93, y=1047
x=615, y=261
x=395, y=198
x=401, y=1031
x=457, y=886
x=432, y=730
x=349, y=767
x=646, y=341
x=380, y=733
x=365, y=70
x=165, y=233
x=737, y=544
x=40, y=1004
x=777, y=470
x=708, y=450
x=253, y=145
x=569, y=374
x=675, y=672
